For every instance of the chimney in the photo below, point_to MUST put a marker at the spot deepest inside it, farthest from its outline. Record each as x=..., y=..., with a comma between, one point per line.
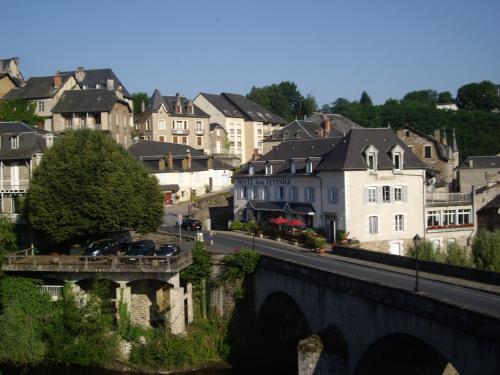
x=437, y=135
x=327, y=125
x=178, y=103
x=170, y=161
x=190, y=107
x=57, y=80
x=210, y=162
x=110, y=84
x=161, y=164
x=188, y=159
x=80, y=74
x=143, y=106
x=256, y=155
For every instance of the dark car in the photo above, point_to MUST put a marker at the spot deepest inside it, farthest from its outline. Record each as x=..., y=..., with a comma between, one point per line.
x=168, y=250
x=141, y=248
x=191, y=224
x=123, y=238
x=102, y=247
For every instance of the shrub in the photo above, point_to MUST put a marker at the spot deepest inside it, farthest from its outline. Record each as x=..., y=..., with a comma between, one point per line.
x=457, y=255
x=486, y=251
x=426, y=251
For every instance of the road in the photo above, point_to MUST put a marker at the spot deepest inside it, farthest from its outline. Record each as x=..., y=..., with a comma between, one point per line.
x=482, y=302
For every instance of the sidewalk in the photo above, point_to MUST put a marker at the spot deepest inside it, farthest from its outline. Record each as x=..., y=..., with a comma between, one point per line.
x=494, y=289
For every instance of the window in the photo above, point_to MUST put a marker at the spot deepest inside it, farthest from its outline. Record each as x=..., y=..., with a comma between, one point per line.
x=175, y=139
x=293, y=167
x=280, y=193
x=397, y=161
x=238, y=144
x=386, y=194
x=399, y=223
x=243, y=192
x=373, y=224
x=309, y=167
x=332, y=195
x=427, y=152
x=184, y=140
x=259, y=192
x=292, y=193
x=199, y=126
x=217, y=132
x=41, y=106
x=250, y=192
x=372, y=194
x=259, y=131
x=269, y=169
x=162, y=138
x=451, y=241
x=14, y=142
x=449, y=217
x=231, y=131
x=398, y=193
x=267, y=193
x=161, y=125
x=298, y=135
x=309, y=194
x=178, y=125
x=199, y=141
x=285, y=136
x=251, y=169
x=436, y=244
x=238, y=131
x=371, y=162
x=433, y=218
x=407, y=133
x=464, y=216
x=411, y=148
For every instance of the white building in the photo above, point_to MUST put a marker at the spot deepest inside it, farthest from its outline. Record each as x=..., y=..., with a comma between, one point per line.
x=182, y=171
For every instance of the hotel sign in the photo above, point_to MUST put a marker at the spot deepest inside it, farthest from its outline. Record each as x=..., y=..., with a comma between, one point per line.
x=263, y=181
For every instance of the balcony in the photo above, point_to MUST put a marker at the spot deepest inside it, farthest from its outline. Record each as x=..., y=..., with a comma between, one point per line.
x=19, y=187
x=180, y=131
x=200, y=131
x=448, y=199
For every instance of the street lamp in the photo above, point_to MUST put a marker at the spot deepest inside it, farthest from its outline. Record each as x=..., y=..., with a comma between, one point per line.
x=416, y=243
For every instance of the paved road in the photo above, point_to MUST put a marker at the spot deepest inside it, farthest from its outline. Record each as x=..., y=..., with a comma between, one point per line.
x=472, y=299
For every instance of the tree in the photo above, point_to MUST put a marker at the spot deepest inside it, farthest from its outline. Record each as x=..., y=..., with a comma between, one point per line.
x=18, y=110
x=86, y=184
x=8, y=237
x=340, y=105
x=486, y=251
x=445, y=97
x=481, y=96
x=424, y=96
x=365, y=99
x=138, y=98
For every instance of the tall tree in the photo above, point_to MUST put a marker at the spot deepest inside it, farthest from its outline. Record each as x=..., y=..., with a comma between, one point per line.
x=140, y=97
x=445, y=97
x=482, y=96
x=340, y=105
x=18, y=110
x=87, y=183
x=423, y=96
x=365, y=99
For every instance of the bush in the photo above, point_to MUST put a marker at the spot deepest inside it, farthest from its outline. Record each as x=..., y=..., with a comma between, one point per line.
x=426, y=251
x=238, y=225
x=8, y=238
x=486, y=251
x=319, y=242
x=237, y=265
x=457, y=256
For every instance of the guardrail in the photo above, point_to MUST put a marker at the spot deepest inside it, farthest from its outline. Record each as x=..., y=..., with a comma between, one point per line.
x=448, y=199
x=71, y=263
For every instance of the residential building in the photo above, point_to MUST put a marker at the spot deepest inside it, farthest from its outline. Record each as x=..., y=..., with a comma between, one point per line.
x=99, y=109
x=447, y=106
x=174, y=119
x=10, y=75
x=45, y=92
x=246, y=122
x=218, y=139
x=21, y=149
x=478, y=171
x=318, y=125
x=440, y=156
x=367, y=183
x=182, y=171
x=489, y=215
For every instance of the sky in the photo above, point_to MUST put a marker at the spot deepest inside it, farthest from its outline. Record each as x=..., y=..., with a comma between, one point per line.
x=330, y=49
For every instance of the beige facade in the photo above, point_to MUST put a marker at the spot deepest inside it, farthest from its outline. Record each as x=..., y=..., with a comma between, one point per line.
x=6, y=84
x=469, y=177
x=43, y=107
x=218, y=139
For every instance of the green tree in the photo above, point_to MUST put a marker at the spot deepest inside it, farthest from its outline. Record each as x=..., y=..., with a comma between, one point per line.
x=365, y=99
x=423, y=96
x=482, y=96
x=486, y=251
x=457, y=255
x=86, y=184
x=340, y=105
x=8, y=237
x=444, y=97
x=138, y=98
x=18, y=110
x=426, y=251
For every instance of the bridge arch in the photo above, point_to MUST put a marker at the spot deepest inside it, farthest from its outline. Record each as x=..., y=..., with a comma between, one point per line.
x=400, y=353
x=281, y=324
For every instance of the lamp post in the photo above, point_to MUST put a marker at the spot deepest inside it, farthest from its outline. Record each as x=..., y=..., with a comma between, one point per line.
x=416, y=243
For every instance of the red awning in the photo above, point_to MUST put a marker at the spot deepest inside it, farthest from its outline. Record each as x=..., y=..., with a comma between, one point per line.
x=279, y=220
x=296, y=223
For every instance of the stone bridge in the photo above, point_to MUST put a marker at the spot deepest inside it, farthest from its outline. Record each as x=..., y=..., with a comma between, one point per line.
x=351, y=326
x=149, y=286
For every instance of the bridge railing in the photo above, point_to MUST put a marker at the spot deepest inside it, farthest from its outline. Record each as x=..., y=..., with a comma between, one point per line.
x=69, y=263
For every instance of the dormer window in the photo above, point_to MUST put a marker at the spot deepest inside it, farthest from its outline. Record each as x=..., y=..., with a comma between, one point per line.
x=14, y=142
x=285, y=136
x=269, y=169
x=397, y=157
x=293, y=167
x=298, y=135
x=251, y=169
x=309, y=167
x=371, y=157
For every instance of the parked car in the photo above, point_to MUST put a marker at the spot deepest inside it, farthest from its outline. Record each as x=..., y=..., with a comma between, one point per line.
x=168, y=250
x=102, y=247
x=190, y=224
x=141, y=248
x=123, y=238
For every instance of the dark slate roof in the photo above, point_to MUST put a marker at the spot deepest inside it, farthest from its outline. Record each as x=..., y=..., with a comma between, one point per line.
x=252, y=110
x=491, y=206
x=224, y=105
x=293, y=207
x=266, y=205
x=216, y=125
x=31, y=140
x=340, y=124
x=300, y=208
x=481, y=162
x=99, y=76
x=90, y=100
x=170, y=187
x=36, y=88
x=169, y=103
x=16, y=80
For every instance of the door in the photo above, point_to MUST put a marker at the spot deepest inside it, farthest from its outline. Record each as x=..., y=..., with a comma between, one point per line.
x=14, y=176
x=168, y=198
x=395, y=248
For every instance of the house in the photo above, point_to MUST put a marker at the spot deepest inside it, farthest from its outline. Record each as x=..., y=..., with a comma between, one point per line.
x=318, y=125
x=367, y=183
x=10, y=75
x=246, y=122
x=219, y=145
x=440, y=156
x=45, y=92
x=447, y=106
x=21, y=149
x=183, y=172
x=100, y=109
x=478, y=171
x=174, y=119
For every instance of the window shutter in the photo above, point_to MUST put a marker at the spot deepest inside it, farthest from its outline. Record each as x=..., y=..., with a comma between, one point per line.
x=404, y=193
x=391, y=194
x=379, y=194
x=365, y=195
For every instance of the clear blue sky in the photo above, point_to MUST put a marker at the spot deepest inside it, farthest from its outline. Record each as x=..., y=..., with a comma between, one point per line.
x=329, y=48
